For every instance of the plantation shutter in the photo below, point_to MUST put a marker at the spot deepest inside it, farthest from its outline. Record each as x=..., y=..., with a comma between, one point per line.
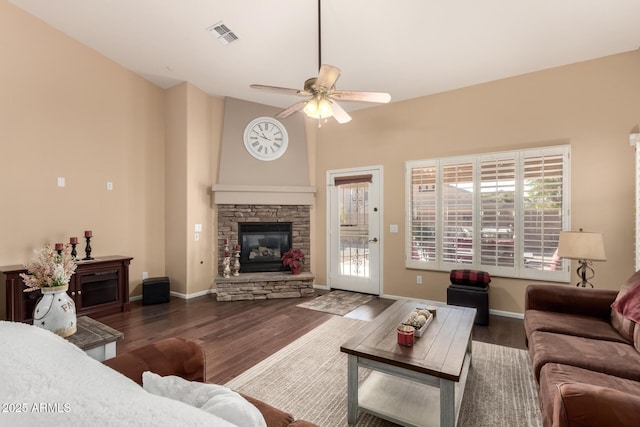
x=543, y=208
x=637, y=147
x=497, y=212
x=423, y=214
x=457, y=213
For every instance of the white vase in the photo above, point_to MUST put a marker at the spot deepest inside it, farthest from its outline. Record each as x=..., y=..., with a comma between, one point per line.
x=56, y=311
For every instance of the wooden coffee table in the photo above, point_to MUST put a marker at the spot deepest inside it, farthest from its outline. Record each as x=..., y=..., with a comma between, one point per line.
x=96, y=339
x=420, y=385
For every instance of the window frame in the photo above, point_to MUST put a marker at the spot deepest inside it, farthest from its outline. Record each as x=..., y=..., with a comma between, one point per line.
x=518, y=270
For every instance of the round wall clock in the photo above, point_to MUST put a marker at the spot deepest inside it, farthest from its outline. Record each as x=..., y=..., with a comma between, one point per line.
x=266, y=138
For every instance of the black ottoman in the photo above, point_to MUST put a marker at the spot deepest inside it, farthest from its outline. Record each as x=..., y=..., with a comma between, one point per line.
x=470, y=288
x=155, y=290
x=471, y=296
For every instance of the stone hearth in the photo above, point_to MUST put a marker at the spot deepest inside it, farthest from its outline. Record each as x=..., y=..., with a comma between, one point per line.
x=259, y=286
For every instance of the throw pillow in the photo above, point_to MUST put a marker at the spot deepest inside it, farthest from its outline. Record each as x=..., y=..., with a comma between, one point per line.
x=470, y=278
x=629, y=304
x=622, y=324
x=212, y=398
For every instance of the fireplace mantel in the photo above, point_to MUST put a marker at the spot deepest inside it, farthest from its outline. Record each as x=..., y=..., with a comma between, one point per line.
x=231, y=194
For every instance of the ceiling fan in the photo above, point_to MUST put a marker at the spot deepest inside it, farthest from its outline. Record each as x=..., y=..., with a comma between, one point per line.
x=321, y=93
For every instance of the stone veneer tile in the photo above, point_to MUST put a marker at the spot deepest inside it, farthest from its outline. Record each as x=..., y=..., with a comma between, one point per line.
x=248, y=286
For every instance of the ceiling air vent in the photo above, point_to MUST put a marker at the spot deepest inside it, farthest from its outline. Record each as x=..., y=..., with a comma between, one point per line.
x=222, y=33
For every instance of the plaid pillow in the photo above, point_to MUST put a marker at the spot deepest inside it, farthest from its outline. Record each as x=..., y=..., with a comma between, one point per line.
x=470, y=277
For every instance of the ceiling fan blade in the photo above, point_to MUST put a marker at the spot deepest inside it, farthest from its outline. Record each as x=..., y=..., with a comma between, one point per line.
x=289, y=111
x=282, y=90
x=327, y=76
x=339, y=114
x=350, y=95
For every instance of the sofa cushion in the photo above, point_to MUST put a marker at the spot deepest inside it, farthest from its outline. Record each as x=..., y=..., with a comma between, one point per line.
x=212, y=398
x=274, y=416
x=570, y=395
x=622, y=324
x=170, y=356
x=587, y=405
x=613, y=358
x=570, y=324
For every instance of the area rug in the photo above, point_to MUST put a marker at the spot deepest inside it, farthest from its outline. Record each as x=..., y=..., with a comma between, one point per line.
x=308, y=379
x=337, y=302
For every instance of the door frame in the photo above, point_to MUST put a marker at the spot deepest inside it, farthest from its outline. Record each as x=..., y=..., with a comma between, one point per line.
x=379, y=169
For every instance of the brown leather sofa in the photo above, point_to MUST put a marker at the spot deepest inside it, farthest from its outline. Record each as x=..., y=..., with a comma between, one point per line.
x=584, y=356
x=185, y=358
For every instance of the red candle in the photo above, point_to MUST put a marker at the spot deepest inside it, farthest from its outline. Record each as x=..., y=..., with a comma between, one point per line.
x=73, y=240
x=59, y=246
x=226, y=241
x=405, y=335
x=237, y=248
x=88, y=233
x=226, y=253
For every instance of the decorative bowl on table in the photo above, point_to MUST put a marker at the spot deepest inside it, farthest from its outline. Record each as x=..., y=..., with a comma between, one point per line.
x=419, y=319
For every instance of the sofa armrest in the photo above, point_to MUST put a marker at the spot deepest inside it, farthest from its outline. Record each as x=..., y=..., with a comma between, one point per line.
x=171, y=356
x=586, y=405
x=571, y=300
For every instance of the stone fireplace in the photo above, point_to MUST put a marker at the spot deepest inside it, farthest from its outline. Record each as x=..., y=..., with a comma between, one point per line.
x=248, y=190
x=265, y=228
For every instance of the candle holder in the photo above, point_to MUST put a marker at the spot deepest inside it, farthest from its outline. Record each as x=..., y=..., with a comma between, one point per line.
x=74, y=253
x=226, y=267
x=236, y=263
x=87, y=249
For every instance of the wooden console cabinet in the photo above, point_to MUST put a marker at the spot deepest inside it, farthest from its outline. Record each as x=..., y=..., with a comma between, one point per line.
x=98, y=287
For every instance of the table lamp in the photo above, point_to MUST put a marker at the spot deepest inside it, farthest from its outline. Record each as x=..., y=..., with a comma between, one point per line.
x=585, y=248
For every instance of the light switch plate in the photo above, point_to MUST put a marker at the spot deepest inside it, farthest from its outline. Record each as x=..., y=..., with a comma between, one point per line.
x=197, y=228
x=393, y=228
x=61, y=181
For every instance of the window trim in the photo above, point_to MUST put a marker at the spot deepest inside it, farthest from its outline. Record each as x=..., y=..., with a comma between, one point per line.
x=562, y=274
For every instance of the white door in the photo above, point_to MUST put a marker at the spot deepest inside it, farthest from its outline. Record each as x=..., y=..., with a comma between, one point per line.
x=354, y=229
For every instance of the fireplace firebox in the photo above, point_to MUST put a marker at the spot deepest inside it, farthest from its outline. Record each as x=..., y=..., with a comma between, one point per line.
x=263, y=244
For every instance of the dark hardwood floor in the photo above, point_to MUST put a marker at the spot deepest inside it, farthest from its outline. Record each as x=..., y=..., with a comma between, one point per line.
x=237, y=335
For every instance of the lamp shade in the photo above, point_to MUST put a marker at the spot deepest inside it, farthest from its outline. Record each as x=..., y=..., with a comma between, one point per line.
x=581, y=245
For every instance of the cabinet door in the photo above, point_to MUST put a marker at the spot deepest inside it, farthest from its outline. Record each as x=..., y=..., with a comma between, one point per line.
x=97, y=288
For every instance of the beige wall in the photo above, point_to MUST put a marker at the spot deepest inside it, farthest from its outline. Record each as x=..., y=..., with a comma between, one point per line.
x=67, y=111
x=193, y=122
x=592, y=106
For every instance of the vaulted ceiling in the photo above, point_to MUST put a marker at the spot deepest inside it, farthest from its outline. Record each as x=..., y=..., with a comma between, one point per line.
x=409, y=48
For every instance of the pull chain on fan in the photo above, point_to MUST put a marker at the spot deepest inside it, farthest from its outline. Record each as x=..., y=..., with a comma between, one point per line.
x=321, y=93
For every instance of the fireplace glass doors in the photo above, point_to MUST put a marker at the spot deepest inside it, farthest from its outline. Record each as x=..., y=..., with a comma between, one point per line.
x=262, y=245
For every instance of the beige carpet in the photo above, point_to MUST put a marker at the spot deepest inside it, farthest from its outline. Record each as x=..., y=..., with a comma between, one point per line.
x=308, y=379
x=337, y=302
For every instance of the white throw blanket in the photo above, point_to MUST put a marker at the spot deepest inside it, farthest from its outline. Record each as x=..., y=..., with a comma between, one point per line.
x=45, y=380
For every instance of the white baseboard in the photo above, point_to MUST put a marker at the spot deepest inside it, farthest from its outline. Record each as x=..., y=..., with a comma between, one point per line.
x=193, y=295
x=440, y=303
x=324, y=287
x=180, y=295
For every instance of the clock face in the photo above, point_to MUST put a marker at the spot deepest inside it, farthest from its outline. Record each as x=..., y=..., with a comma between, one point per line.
x=266, y=138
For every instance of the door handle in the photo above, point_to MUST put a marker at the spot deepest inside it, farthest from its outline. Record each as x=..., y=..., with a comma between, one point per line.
x=374, y=240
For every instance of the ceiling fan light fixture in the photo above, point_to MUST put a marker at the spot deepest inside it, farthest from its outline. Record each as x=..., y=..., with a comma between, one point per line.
x=318, y=108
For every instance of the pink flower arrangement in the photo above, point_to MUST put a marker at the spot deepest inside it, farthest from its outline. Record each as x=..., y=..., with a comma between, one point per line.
x=293, y=258
x=49, y=268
